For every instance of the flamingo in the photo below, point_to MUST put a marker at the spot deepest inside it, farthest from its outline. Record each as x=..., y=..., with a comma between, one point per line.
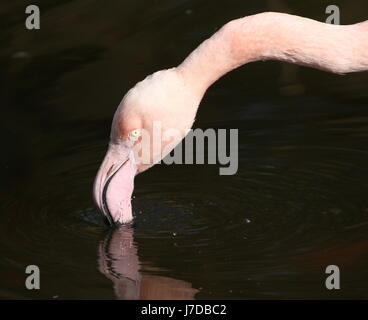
x=172, y=96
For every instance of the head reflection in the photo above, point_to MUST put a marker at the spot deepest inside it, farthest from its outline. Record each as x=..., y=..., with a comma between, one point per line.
x=118, y=260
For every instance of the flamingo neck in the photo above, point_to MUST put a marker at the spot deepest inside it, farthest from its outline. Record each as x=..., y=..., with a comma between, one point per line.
x=277, y=36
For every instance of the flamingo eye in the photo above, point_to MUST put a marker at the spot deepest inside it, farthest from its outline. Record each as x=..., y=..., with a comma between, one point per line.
x=134, y=134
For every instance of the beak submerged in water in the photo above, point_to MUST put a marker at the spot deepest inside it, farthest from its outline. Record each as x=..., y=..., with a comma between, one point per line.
x=114, y=184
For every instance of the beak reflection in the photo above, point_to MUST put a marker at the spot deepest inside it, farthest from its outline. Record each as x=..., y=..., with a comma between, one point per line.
x=118, y=260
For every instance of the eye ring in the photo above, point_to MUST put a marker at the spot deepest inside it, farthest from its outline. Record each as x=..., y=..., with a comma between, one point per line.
x=134, y=134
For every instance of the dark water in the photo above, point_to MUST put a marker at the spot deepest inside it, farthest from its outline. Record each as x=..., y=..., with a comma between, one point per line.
x=298, y=203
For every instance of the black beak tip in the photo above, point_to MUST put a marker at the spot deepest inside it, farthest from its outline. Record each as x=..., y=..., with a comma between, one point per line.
x=107, y=221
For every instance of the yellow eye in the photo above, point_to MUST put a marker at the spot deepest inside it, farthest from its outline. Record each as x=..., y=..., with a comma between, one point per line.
x=135, y=133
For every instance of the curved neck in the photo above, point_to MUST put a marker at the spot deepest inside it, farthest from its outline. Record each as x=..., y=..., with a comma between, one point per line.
x=277, y=36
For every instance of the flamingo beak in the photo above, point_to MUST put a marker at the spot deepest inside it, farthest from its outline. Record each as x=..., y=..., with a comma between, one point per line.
x=114, y=184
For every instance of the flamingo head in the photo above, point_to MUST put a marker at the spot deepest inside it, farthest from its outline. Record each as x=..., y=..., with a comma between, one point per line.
x=153, y=117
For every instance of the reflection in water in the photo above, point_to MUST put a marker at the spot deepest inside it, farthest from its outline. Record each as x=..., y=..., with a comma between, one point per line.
x=118, y=260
